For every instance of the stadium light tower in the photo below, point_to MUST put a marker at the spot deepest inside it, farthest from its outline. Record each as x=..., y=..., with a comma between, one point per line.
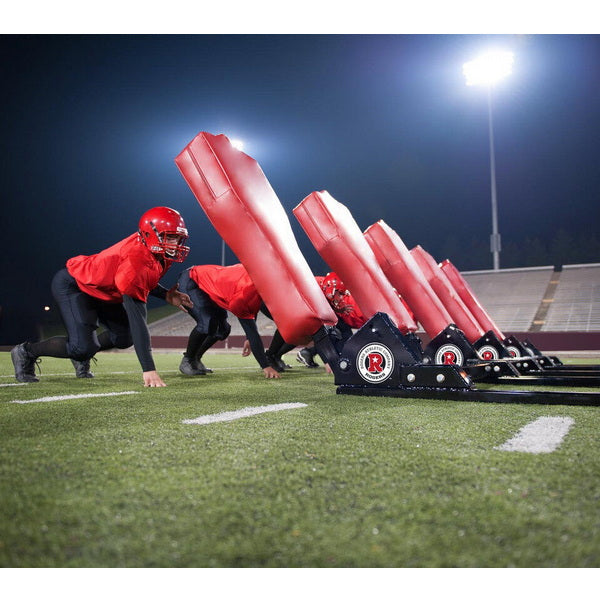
x=238, y=145
x=487, y=70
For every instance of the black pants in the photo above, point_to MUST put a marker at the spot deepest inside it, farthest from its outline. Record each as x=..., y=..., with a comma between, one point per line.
x=82, y=314
x=210, y=318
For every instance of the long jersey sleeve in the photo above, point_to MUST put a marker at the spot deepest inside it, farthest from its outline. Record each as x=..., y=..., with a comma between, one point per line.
x=256, y=344
x=137, y=314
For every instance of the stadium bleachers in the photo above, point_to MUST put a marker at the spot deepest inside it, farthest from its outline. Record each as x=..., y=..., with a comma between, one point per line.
x=576, y=303
x=512, y=297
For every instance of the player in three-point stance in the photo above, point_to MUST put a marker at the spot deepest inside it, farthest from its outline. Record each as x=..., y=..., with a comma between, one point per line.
x=111, y=288
x=214, y=290
x=345, y=308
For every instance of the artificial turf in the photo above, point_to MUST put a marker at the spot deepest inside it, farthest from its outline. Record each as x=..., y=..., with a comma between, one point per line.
x=120, y=481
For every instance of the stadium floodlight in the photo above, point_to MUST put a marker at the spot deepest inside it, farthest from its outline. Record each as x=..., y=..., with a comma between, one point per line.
x=487, y=70
x=237, y=144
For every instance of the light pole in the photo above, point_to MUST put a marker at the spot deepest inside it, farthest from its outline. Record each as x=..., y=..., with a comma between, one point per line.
x=487, y=70
x=238, y=145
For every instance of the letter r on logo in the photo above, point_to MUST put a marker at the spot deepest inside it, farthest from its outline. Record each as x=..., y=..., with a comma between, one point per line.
x=449, y=358
x=375, y=363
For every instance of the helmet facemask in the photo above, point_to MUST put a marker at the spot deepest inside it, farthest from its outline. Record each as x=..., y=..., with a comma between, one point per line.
x=173, y=246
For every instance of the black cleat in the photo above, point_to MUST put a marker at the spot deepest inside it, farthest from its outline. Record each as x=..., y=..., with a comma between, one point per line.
x=305, y=357
x=24, y=364
x=202, y=367
x=283, y=364
x=191, y=367
x=82, y=369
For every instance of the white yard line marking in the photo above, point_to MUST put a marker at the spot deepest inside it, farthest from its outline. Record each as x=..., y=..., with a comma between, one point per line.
x=70, y=397
x=11, y=384
x=543, y=435
x=241, y=413
x=71, y=373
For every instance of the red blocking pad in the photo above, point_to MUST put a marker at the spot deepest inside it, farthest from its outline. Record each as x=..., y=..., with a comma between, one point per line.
x=404, y=274
x=461, y=315
x=244, y=209
x=340, y=242
x=468, y=297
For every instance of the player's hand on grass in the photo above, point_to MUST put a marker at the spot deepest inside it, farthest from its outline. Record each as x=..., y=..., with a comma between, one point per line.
x=271, y=373
x=152, y=379
x=328, y=369
x=179, y=299
x=246, y=348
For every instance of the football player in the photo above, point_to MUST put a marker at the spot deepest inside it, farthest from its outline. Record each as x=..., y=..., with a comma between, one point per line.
x=346, y=309
x=214, y=290
x=111, y=288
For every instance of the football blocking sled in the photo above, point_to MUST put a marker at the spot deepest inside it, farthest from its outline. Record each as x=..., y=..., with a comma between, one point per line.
x=379, y=359
x=240, y=203
x=244, y=209
x=543, y=369
x=516, y=347
x=448, y=344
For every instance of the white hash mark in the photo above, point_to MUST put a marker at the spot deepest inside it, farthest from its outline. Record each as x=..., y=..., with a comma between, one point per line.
x=543, y=435
x=241, y=413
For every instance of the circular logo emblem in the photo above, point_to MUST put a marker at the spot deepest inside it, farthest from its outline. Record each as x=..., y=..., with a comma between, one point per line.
x=489, y=353
x=513, y=351
x=375, y=363
x=449, y=354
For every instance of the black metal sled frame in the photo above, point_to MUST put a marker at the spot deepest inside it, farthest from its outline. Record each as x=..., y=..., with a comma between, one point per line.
x=551, y=381
x=511, y=373
x=527, y=349
x=475, y=395
x=488, y=359
x=378, y=360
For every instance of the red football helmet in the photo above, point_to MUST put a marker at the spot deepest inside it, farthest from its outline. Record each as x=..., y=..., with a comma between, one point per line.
x=330, y=285
x=159, y=224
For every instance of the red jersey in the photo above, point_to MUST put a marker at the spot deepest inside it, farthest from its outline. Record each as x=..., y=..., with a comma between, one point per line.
x=354, y=318
x=126, y=268
x=229, y=287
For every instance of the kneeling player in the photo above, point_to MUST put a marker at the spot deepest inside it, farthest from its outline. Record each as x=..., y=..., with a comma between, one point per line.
x=112, y=288
x=346, y=309
x=214, y=290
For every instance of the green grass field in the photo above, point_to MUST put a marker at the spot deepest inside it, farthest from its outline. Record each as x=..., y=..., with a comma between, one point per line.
x=121, y=481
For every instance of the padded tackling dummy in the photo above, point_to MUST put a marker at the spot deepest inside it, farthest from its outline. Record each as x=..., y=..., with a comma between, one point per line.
x=340, y=242
x=461, y=315
x=468, y=297
x=404, y=274
x=243, y=207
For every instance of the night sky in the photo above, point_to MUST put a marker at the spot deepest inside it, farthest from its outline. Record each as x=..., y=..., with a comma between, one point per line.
x=90, y=126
